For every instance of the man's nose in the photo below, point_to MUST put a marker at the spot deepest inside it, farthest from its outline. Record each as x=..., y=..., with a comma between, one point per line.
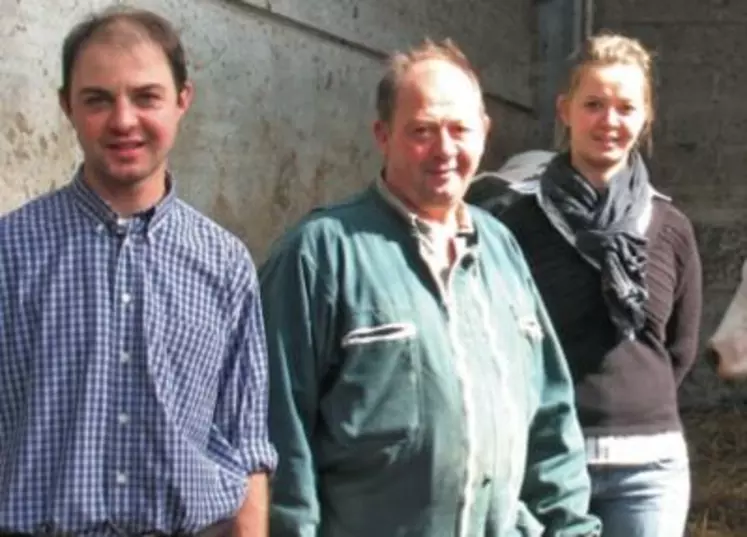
x=446, y=144
x=124, y=115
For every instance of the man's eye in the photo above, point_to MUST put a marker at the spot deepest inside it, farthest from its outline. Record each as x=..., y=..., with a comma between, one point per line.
x=146, y=99
x=94, y=100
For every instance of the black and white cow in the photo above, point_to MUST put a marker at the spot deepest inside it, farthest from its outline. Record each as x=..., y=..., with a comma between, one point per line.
x=728, y=345
x=496, y=190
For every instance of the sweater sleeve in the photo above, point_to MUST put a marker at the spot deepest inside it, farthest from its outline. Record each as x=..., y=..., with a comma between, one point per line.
x=684, y=323
x=297, y=312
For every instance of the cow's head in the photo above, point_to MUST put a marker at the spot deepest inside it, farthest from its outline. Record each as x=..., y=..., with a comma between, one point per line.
x=496, y=190
x=728, y=345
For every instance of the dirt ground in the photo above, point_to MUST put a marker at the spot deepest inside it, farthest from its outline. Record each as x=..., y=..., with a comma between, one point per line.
x=718, y=452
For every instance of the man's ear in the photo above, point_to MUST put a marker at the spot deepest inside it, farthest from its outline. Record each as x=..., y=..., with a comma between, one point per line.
x=185, y=96
x=562, y=105
x=381, y=134
x=63, y=98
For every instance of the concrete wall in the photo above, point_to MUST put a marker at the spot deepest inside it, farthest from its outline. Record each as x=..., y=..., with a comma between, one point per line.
x=700, y=139
x=281, y=120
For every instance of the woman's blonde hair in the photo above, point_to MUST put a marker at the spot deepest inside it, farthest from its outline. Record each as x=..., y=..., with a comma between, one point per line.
x=605, y=49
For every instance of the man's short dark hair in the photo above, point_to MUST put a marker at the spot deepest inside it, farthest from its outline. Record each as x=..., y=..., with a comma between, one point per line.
x=400, y=62
x=154, y=27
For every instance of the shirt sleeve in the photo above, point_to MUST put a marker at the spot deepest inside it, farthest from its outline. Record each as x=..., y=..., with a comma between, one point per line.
x=684, y=322
x=556, y=490
x=298, y=317
x=242, y=405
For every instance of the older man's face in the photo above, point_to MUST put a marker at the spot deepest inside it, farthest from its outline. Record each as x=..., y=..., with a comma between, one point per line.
x=434, y=142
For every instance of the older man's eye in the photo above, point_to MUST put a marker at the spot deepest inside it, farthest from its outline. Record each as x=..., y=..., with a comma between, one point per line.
x=421, y=131
x=460, y=131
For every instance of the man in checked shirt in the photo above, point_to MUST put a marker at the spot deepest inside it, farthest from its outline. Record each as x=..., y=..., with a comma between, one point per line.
x=133, y=393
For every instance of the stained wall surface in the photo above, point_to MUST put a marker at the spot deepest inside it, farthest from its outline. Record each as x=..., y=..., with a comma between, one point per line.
x=282, y=116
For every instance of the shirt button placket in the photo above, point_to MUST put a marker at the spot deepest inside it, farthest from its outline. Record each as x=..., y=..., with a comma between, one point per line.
x=123, y=373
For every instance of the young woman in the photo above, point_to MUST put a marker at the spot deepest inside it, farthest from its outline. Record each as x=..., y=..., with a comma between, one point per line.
x=618, y=268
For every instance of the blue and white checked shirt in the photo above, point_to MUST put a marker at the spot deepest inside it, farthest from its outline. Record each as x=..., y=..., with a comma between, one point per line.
x=133, y=381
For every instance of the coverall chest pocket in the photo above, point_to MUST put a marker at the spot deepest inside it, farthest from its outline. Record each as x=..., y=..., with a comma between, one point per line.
x=375, y=399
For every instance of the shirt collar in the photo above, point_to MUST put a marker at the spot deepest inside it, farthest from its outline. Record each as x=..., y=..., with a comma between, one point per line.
x=465, y=227
x=95, y=207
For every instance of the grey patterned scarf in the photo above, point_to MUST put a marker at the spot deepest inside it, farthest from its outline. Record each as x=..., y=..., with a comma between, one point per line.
x=604, y=227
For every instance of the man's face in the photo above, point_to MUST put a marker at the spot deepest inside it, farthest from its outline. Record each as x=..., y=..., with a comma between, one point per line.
x=125, y=109
x=434, y=142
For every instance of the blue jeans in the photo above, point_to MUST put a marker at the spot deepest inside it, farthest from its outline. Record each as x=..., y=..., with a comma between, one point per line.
x=649, y=500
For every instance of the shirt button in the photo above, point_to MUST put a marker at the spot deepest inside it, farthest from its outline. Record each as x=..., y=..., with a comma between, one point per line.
x=121, y=478
x=126, y=298
x=124, y=357
x=100, y=229
x=123, y=419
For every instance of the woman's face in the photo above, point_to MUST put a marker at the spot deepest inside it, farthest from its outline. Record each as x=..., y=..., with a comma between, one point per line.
x=605, y=115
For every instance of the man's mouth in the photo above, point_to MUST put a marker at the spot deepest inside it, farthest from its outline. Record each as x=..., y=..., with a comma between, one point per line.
x=441, y=171
x=125, y=150
x=125, y=146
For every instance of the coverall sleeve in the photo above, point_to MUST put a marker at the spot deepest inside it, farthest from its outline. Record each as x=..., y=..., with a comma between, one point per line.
x=556, y=490
x=296, y=311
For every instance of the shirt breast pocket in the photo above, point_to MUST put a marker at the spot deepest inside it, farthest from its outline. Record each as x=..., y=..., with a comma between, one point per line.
x=185, y=364
x=374, y=400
